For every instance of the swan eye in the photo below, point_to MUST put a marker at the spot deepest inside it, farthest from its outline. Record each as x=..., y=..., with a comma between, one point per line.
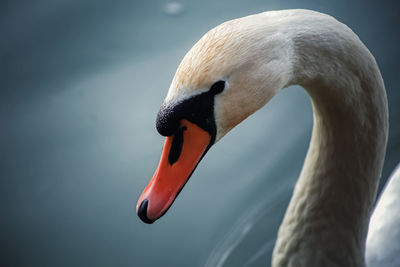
x=217, y=87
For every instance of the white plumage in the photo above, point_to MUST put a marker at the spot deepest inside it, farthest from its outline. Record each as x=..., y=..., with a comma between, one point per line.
x=326, y=222
x=383, y=242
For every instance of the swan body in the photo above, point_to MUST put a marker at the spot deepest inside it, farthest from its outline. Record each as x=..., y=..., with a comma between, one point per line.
x=234, y=70
x=383, y=248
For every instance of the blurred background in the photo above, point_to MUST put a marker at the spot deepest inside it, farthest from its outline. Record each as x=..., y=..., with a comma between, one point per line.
x=80, y=86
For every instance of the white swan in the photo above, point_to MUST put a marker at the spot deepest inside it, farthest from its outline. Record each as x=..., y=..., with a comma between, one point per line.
x=234, y=70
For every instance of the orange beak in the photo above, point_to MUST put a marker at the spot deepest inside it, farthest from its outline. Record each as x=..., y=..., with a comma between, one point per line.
x=181, y=154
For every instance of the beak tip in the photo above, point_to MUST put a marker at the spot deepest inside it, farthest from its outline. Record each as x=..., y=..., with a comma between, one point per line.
x=142, y=212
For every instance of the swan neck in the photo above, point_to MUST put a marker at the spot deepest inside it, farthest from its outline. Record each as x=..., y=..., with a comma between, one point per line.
x=327, y=219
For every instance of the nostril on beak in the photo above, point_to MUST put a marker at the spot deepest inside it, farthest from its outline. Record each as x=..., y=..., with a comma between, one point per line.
x=142, y=212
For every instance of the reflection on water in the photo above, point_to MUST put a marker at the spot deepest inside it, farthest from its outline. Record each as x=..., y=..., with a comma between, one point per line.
x=81, y=85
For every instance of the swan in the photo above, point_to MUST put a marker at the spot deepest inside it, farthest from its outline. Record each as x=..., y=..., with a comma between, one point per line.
x=233, y=71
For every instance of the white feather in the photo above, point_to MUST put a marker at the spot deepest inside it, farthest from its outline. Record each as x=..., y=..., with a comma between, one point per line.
x=383, y=242
x=326, y=222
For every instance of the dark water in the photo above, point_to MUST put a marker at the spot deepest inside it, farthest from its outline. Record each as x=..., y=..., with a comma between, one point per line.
x=80, y=85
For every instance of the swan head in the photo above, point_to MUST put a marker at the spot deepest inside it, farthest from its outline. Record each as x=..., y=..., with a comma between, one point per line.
x=221, y=81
